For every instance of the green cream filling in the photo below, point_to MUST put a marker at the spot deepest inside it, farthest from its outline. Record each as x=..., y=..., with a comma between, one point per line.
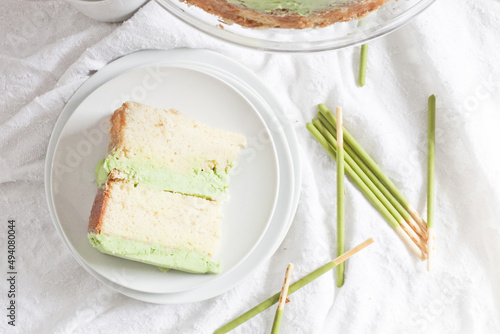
x=211, y=184
x=301, y=7
x=178, y=259
x=101, y=174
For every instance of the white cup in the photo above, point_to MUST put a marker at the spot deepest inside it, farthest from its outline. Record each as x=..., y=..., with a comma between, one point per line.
x=108, y=10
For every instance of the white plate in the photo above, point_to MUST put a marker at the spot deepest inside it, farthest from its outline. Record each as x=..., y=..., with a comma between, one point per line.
x=84, y=140
x=201, y=62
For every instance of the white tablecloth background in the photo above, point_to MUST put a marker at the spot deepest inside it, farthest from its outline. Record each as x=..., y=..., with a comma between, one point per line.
x=48, y=49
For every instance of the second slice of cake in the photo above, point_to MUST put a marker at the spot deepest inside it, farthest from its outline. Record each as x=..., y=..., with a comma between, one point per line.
x=157, y=227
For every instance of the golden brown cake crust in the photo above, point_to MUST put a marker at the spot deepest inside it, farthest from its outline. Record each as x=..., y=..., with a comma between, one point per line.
x=282, y=19
x=101, y=198
x=97, y=212
x=101, y=203
x=117, y=123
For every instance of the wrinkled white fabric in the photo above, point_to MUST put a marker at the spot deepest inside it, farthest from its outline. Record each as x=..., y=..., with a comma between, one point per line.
x=48, y=50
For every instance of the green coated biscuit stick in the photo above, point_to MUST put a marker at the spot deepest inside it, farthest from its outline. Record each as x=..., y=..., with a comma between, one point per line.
x=294, y=287
x=375, y=168
x=340, y=199
x=277, y=321
x=364, y=184
x=407, y=217
x=282, y=301
x=418, y=235
x=332, y=151
x=363, y=60
x=431, y=151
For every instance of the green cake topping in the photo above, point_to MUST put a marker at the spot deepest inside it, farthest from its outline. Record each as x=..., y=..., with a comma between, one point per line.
x=184, y=260
x=301, y=7
x=101, y=174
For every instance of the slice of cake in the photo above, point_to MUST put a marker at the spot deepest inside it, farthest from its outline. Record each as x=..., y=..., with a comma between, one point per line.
x=157, y=227
x=169, y=151
x=160, y=189
x=296, y=14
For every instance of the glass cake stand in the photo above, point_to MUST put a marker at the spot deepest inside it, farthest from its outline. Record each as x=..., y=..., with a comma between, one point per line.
x=387, y=18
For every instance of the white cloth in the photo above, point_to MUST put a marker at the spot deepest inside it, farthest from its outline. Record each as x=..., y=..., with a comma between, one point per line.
x=48, y=50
